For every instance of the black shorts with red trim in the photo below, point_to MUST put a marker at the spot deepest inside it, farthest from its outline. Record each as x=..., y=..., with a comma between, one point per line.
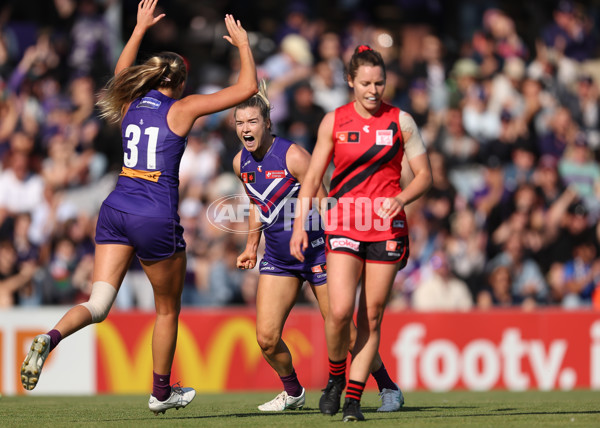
x=388, y=251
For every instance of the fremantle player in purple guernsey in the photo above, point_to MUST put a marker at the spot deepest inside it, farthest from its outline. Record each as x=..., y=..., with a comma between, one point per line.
x=272, y=170
x=139, y=218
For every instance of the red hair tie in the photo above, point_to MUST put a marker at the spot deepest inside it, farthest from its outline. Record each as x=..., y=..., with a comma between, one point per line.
x=363, y=48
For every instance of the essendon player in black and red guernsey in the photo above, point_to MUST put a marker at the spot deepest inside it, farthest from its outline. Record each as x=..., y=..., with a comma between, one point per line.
x=366, y=229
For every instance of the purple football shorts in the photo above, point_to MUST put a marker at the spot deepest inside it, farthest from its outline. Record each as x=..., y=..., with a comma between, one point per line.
x=315, y=271
x=152, y=238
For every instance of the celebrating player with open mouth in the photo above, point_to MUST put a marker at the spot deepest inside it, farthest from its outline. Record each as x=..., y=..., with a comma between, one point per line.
x=272, y=170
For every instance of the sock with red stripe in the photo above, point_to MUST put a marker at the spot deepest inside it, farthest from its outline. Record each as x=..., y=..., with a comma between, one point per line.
x=337, y=369
x=383, y=379
x=161, y=386
x=291, y=384
x=355, y=389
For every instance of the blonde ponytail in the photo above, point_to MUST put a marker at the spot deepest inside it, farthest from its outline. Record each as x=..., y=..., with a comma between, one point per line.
x=166, y=70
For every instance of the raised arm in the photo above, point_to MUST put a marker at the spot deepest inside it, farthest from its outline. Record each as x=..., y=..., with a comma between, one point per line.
x=145, y=20
x=188, y=109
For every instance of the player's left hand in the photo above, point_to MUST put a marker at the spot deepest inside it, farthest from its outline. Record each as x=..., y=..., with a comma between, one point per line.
x=246, y=260
x=145, y=14
x=237, y=35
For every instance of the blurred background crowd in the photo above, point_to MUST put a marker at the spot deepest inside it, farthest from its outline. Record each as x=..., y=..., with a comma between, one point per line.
x=505, y=93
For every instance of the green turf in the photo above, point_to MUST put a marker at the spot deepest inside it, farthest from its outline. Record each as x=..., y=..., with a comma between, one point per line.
x=422, y=409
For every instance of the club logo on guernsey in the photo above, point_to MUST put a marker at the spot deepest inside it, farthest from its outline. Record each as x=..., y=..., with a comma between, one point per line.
x=384, y=137
x=149, y=102
x=344, y=243
x=249, y=177
x=351, y=137
x=271, y=175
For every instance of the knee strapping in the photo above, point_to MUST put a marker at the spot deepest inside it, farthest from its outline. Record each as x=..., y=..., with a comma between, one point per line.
x=101, y=300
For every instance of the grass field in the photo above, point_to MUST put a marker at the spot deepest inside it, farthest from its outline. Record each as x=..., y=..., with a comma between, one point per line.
x=422, y=409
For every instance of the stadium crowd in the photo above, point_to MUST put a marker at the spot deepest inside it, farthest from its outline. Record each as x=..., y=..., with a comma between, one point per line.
x=506, y=96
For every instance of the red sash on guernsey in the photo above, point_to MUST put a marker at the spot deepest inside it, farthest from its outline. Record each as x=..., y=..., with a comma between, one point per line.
x=368, y=162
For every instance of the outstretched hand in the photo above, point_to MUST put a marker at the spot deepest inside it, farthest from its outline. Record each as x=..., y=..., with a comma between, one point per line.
x=237, y=35
x=145, y=14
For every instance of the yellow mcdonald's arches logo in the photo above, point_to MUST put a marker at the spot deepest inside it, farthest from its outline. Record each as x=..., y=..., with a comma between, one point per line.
x=128, y=372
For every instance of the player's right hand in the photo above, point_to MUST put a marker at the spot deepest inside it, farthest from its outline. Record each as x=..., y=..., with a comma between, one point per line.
x=246, y=260
x=298, y=243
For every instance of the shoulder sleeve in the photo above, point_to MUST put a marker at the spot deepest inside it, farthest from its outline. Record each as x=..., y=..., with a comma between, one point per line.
x=413, y=143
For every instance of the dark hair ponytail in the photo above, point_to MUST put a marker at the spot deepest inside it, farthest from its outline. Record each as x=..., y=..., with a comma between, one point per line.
x=364, y=55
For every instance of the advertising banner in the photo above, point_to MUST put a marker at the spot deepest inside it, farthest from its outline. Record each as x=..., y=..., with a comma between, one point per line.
x=217, y=351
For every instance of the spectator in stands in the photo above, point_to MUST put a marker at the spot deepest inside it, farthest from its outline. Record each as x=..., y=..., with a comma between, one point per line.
x=16, y=286
x=547, y=180
x=579, y=169
x=465, y=248
x=561, y=132
x=522, y=165
x=497, y=291
x=581, y=274
x=528, y=283
x=441, y=290
x=570, y=34
x=586, y=111
x=20, y=188
x=304, y=116
x=461, y=151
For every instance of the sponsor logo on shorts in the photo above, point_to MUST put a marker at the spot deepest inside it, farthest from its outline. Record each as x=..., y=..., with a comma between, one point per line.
x=352, y=137
x=384, y=137
x=319, y=268
x=393, y=254
x=149, y=102
x=317, y=242
x=390, y=245
x=249, y=177
x=398, y=224
x=264, y=265
x=270, y=175
x=344, y=243
x=320, y=275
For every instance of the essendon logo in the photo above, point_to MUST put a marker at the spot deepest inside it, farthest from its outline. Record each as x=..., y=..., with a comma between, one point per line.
x=344, y=243
x=390, y=245
x=274, y=174
x=249, y=177
x=348, y=137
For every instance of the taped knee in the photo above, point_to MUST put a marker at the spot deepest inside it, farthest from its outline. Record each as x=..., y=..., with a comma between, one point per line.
x=101, y=300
